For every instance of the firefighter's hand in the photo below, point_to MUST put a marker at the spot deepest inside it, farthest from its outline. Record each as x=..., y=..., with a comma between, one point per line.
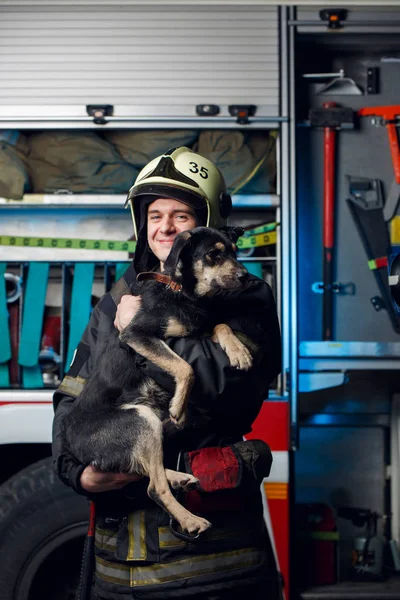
x=94, y=480
x=126, y=310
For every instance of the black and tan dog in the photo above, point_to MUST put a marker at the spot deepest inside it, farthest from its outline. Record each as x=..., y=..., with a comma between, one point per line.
x=121, y=431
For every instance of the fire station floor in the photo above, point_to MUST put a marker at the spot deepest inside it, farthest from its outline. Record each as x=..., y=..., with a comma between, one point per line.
x=356, y=590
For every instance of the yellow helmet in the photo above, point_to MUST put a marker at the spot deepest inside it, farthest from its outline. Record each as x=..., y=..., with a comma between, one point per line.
x=182, y=175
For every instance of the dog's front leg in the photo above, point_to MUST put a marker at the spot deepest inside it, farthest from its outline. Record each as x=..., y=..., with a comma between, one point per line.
x=160, y=354
x=239, y=356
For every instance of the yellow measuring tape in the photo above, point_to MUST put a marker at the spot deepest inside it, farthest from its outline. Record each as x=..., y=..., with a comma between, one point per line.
x=76, y=244
x=264, y=235
x=256, y=241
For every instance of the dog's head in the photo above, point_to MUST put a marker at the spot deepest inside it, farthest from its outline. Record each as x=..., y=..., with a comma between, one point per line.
x=204, y=260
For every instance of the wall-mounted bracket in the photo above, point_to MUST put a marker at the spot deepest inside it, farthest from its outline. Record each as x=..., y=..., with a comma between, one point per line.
x=242, y=112
x=345, y=289
x=99, y=112
x=366, y=193
x=378, y=303
x=333, y=16
x=207, y=110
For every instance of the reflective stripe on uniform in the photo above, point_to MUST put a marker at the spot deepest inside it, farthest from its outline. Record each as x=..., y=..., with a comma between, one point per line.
x=166, y=539
x=106, y=539
x=113, y=572
x=137, y=549
x=157, y=574
x=72, y=385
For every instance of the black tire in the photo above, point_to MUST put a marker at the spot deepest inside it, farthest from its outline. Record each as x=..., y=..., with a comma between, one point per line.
x=42, y=529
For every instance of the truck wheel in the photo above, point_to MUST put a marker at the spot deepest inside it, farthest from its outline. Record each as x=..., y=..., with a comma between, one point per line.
x=42, y=529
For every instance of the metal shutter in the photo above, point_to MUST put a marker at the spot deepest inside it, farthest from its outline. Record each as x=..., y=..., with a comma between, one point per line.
x=148, y=61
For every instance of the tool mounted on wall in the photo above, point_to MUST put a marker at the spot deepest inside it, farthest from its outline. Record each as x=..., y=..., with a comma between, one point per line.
x=373, y=229
x=14, y=293
x=365, y=203
x=338, y=84
x=331, y=117
x=389, y=117
x=394, y=281
x=368, y=548
x=10, y=293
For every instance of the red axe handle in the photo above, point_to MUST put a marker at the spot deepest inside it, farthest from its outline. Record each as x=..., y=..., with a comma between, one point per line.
x=394, y=149
x=329, y=229
x=329, y=186
x=331, y=117
x=87, y=566
x=389, y=114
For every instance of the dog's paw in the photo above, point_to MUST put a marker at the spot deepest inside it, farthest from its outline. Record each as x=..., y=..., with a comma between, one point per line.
x=177, y=412
x=245, y=360
x=182, y=481
x=192, y=483
x=195, y=526
x=178, y=418
x=240, y=357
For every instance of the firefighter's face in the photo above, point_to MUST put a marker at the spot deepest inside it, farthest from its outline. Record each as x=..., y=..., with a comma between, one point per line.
x=165, y=219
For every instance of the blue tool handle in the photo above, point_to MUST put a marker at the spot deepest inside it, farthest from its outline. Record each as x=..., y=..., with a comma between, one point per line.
x=33, y=312
x=81, y=303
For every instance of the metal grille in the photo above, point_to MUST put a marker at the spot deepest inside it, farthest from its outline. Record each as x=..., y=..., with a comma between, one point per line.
x=146, y=61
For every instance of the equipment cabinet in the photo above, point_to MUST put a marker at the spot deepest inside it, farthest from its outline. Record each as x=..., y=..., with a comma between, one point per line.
x=347, y=403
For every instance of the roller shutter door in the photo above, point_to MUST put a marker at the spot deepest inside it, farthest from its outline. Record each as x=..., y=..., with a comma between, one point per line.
x=144, y=60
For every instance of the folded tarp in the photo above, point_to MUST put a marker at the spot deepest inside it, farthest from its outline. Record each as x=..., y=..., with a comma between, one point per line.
x=247, y=160
x=80, y=162
x=14, y=178
x=89, y=162
x=139, y=147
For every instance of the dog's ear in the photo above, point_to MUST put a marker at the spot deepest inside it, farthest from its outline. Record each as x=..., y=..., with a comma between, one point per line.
x=233, y=233
x=181, y=241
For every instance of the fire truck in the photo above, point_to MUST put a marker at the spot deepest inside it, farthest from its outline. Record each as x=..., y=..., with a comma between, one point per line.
x=272, y=93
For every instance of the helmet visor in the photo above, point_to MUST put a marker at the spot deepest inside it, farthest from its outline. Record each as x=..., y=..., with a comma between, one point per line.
x=161, y=190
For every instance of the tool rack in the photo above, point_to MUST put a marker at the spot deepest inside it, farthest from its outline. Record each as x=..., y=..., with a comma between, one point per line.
x=348, y=383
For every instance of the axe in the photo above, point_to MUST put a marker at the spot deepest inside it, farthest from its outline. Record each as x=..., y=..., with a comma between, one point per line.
x=389, y=117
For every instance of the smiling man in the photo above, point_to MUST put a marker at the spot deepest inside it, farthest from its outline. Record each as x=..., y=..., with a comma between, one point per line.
x=165, y=219
x=137, y=554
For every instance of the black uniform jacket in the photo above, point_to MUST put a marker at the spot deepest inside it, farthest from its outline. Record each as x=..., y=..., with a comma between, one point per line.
x=224, y=402
x=228, y=399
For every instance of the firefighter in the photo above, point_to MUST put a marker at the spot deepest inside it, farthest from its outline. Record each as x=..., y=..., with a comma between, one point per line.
x=136, y=553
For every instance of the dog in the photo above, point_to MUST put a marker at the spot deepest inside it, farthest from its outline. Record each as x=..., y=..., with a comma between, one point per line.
x=118, y=430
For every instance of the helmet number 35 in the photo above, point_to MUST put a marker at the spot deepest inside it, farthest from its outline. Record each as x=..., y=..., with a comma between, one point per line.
x=202, y=171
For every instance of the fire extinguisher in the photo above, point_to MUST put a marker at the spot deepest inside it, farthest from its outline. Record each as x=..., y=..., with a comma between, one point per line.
x=317, y=545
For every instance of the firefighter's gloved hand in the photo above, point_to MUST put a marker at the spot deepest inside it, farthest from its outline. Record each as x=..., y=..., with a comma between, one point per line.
x=242, y=464
x=257, y=458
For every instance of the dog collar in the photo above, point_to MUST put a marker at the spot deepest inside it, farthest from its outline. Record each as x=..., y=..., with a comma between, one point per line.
x=166, y=279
